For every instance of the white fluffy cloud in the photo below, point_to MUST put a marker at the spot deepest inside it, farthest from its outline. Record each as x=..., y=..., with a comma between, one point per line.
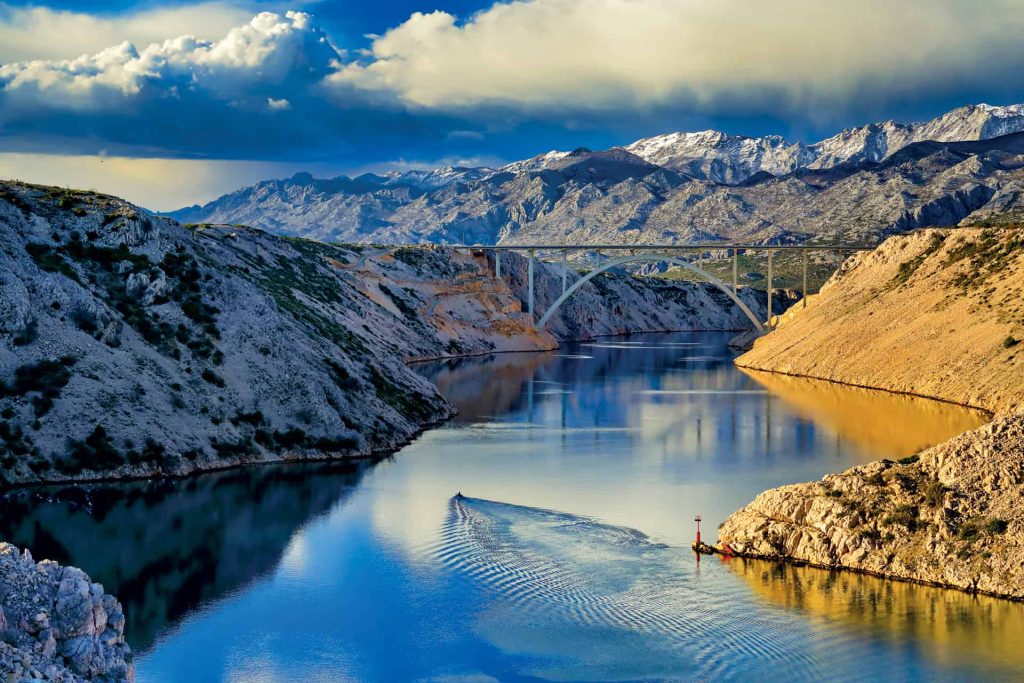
x=28, y=33
x=615, y=54
x=270, y=51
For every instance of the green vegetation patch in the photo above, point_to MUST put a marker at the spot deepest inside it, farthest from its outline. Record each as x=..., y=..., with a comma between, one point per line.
x=908, y=268
x=986, y=256
x=904, y=515
x=400, y=303
x=407, y=403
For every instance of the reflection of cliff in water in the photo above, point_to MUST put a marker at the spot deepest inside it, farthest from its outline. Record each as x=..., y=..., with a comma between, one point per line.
x=165, y=546
x=954, y=626
x=879, y=422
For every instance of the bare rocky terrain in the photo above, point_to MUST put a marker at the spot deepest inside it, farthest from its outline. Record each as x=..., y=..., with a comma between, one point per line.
x=131, y=345
x=57, y=625
x=936, y=313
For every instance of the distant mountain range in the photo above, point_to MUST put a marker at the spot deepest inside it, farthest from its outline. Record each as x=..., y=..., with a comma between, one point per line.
x=862, y=184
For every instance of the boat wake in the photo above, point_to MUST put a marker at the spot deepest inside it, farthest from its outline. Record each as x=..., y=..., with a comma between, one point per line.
x=581, y=592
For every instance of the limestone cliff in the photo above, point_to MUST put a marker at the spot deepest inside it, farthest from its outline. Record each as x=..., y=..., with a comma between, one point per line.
x=937, y=313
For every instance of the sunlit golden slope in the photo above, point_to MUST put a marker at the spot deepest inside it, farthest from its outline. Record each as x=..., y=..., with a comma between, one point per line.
x=937, y=313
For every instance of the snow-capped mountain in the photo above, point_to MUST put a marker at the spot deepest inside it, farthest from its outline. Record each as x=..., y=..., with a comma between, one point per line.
x=537, y=163
x=732, y=159
x=437, y=177
x=722, y=158
x=859, y=184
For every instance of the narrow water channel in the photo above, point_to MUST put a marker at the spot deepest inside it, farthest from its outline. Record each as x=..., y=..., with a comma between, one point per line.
x=567, y=558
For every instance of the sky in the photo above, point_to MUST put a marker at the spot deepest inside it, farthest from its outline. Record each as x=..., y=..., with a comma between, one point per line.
x=174, y=102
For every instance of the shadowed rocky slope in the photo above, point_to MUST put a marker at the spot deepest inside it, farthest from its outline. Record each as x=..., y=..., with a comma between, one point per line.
x=57, y=625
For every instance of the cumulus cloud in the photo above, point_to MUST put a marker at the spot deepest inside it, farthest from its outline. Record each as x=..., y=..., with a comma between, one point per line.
x=184, y=96
x=28, y=33
x=614, y=54
x=270, y=51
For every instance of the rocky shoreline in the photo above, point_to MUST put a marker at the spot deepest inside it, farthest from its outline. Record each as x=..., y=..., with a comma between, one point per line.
x=931, y=314
x=57, y=625
x=949, y=516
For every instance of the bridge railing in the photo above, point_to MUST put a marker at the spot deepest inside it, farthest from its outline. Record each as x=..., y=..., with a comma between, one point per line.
x=671, y=252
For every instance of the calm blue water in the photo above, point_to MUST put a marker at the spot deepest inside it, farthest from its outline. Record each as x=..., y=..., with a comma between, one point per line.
x=567, y=558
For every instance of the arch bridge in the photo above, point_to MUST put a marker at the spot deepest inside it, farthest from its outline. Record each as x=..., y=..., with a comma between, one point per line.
x=681, y=255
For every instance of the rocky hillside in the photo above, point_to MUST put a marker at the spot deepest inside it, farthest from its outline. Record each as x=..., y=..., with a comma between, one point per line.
x=936, y=313
x=57, y=624
x=860, y=185
x=949, y=516
x=131, y=345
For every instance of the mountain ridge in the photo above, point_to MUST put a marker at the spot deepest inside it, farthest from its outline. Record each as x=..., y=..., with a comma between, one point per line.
x=671, y=188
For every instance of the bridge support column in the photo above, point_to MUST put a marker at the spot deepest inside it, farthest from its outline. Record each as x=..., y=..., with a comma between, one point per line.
x=769, y=289
x=804, y=292
x=700, y=260
x=565, y=269
x=735, y=271
x=529, y=271
x=497, y=264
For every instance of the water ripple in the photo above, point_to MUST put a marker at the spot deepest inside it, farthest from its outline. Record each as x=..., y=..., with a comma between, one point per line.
x=559, y=572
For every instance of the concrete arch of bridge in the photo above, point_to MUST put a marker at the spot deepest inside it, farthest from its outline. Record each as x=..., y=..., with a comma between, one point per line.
x=639, y=258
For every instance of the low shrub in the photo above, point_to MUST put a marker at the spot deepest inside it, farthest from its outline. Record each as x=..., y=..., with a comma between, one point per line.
x=213, y=378
x=904, y=515
x=996, y=525
x=934, y=493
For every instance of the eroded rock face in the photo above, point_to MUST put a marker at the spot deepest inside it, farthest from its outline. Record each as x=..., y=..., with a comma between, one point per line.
x=950, y=516
x=57, y=625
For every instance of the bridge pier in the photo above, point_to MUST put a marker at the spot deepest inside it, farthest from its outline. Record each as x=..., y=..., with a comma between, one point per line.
x=735, y=271
x=803, y=292
x=565, y=269
x=529, y=271
x=671, y=253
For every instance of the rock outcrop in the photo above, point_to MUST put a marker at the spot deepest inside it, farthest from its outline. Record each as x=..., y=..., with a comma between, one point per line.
x=949, y=516
x=131, y=345
x=935, y=313
x=57, y=625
